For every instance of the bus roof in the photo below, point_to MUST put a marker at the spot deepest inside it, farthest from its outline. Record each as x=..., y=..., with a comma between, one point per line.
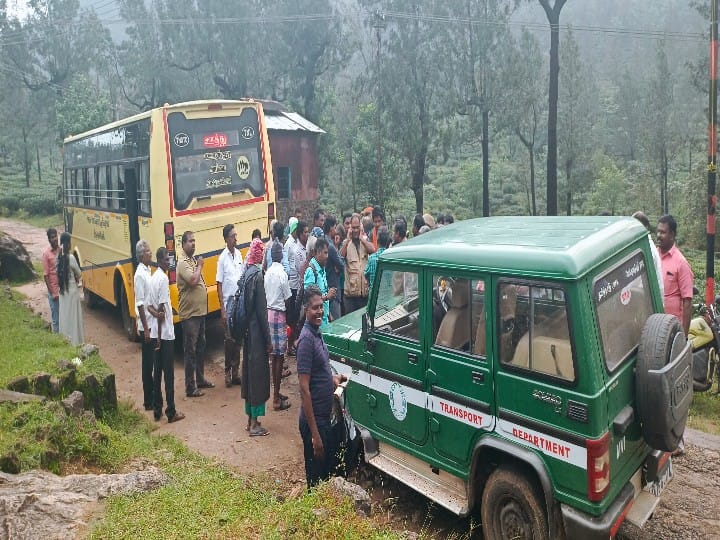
x=147, y=114
x=559, y=247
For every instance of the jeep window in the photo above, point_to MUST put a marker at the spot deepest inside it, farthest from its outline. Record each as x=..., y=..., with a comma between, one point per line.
x=533, y=330
x=623, y=303
x=397, y=307
x=459, y=314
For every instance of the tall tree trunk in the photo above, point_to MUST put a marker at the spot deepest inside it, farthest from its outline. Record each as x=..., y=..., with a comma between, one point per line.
x=664, y=173
x=553, y=17
x=37, y=156
x=486, y=162
x=352, y=177
x=418, y=178
x=26, y=157
x=532, y=180
x=568, y=190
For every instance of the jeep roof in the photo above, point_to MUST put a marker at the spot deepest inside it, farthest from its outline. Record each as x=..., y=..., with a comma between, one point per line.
x=536, y=246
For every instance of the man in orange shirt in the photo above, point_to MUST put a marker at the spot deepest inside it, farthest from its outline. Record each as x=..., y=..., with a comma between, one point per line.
x=49, y=262
x=677, y=275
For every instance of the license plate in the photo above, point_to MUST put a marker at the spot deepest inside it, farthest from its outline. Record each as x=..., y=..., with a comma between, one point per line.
x=658, y=486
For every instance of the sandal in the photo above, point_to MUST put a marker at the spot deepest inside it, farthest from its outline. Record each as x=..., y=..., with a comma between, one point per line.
x=259, y=432
x=283, y=405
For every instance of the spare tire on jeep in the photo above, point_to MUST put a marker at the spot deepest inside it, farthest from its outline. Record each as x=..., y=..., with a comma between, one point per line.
x=663, y=381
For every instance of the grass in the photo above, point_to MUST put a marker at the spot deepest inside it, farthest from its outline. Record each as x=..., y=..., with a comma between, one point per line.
x=203, y=498
x=29, y=346
x=42, y=222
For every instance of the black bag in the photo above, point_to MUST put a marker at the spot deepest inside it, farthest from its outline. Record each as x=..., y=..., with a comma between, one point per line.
x=238, y=316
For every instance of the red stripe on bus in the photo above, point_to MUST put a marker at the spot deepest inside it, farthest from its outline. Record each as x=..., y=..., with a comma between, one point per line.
x=217, y=207
x=169, y=161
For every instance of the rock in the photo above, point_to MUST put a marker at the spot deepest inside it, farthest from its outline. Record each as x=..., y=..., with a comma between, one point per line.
x=359, y=496
x=67, y=382
x=89, y=417
x=41, y=383
x=9, y=463
x=65, y=365
x=38, y=504
x=18, y=397
x=74, y=404
x=20, y=384
x=110, y=391
x=15, y=263
x=88, y=349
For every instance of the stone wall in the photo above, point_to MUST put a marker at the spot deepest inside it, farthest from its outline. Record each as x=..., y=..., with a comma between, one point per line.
x=99, y=391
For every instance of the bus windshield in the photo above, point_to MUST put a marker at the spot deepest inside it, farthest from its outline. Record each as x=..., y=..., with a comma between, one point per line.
x=215, y=155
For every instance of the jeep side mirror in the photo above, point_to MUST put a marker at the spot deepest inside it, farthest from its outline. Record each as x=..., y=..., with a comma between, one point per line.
x=365, y=325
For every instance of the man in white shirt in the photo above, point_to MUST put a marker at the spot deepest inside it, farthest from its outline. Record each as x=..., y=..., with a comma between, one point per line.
x=142, y=291
x=162, y=330
x=291, y=250
x=277, y=292
x=229, y=272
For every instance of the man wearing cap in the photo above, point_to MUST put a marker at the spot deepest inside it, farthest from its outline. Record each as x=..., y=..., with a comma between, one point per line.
x=355, y=250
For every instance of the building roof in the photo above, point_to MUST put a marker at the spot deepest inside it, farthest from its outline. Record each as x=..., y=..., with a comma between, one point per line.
x=557, y=247
x=278, y=120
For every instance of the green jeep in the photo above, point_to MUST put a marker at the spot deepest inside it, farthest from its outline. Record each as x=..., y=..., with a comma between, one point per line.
x=521, y=367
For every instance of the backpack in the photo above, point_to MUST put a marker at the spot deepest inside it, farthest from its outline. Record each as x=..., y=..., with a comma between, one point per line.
x=238, y=314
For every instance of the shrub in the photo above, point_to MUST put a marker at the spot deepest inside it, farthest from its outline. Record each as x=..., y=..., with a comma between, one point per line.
x=11, y=204
x=40, y=206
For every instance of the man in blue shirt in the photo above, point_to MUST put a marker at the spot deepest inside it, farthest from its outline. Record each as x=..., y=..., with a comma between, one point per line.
x=317, y=385
x=315, y=275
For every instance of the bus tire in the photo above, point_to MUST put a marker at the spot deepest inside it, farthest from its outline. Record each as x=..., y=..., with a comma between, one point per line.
x=127, y=320
x=91, y=300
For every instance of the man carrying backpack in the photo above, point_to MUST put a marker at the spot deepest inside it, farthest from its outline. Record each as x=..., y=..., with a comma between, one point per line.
x=255, y=380
x=229, y=272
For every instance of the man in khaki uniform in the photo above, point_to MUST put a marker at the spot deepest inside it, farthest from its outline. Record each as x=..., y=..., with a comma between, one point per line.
x=355, y=250
x=192, y=309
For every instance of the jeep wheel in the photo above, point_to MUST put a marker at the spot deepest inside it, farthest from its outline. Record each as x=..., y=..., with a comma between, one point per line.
x=663, y=381
x=511, y=508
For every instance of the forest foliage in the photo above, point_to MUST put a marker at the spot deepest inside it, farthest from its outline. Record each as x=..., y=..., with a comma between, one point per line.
x=452, y=95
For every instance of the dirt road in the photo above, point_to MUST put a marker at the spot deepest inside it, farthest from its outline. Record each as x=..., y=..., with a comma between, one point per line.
x=689, y=509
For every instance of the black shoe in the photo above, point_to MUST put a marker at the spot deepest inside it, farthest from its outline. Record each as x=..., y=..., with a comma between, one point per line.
x=206, y=384
x=196, y=393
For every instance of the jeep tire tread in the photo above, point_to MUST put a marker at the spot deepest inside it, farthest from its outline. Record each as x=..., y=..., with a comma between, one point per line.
x=512, y=508
x=663, y=424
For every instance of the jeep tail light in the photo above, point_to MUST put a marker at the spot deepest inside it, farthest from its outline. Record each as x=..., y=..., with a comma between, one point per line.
x=169, y=230
x=598, y=467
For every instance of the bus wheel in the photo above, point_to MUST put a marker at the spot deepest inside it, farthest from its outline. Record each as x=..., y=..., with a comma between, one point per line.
x=128, y=321
x=91, y=300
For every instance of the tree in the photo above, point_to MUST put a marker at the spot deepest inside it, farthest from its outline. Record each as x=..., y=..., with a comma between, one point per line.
x=574, y=115
x=81, y=107
x=523, y=104
x=479, y=58
x=608, y=191
x=659, y=135
x=552, y=13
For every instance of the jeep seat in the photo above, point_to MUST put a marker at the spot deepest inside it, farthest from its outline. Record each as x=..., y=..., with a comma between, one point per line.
x=454, y=331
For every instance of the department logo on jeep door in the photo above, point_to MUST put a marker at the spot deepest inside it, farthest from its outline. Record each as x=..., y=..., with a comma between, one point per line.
x=398, y=401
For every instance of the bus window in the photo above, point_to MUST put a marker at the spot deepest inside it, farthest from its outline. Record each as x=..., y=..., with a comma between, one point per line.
x=85, y=190
x=92, y=195
x=74, y=199
x=102, y=187
x=120, y=187
x=144, y=189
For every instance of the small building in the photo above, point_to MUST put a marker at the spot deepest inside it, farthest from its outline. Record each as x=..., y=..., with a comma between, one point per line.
x=293, y=147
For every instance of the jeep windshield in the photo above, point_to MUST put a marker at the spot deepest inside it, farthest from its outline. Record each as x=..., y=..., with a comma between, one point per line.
x=623, y=303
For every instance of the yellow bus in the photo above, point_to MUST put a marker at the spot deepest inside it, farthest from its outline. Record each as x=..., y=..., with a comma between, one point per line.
x=192, y=166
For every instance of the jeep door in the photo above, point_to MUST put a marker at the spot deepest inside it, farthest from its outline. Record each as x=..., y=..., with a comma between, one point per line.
x=460, y=380
x=539, y=402
x=395, y=357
